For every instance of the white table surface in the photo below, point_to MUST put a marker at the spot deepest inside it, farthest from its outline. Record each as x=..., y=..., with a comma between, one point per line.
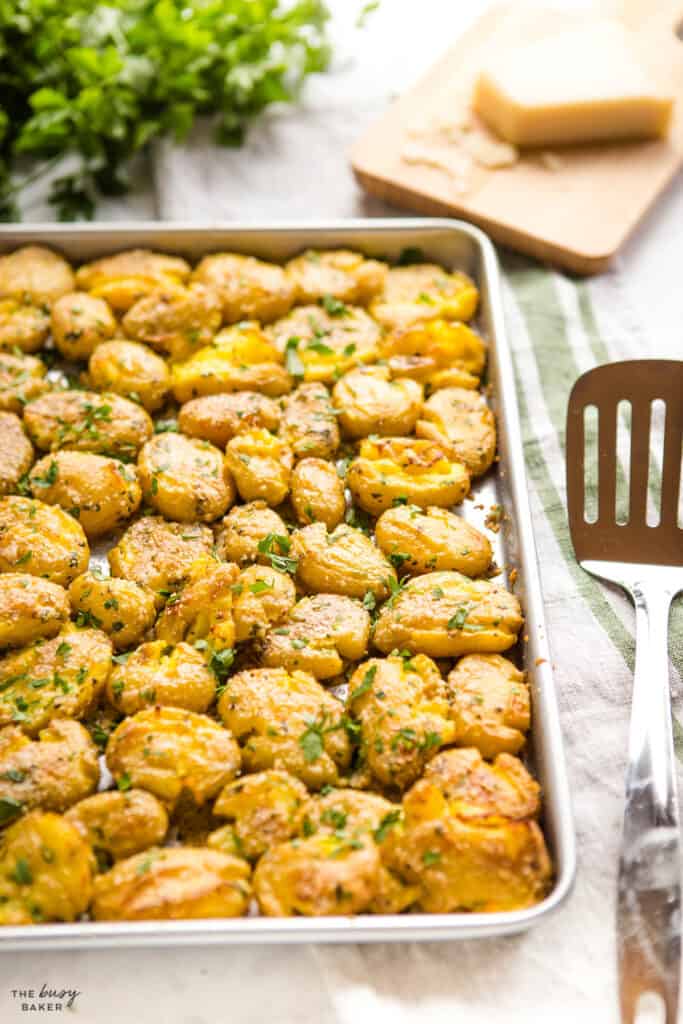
x=486, y=982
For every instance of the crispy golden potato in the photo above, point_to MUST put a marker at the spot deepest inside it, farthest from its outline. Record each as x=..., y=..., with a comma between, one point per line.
x=286, y=720
x=17, y=452
x=159, y=673
x=58, y=678
x=336, y=274
x=23, y=327
x=263, y=809
x=202, y=609
x=101, y=493
x=240, y=358
x=432, y=539
x=87, y=421
x=218, y=418
x=445, y=614
x=159, y=555
x=117, y=825
x=121, y=608
x=34, y=274
x=261, y=465
x=173, y=753
x=21, y=379
x=262, y=598
x=80, y=322
x=245, y=528
x=308, y=423
x=422, y=292
x=489, y=704
x=319, y=635
x=46, y=871
x=321, y=346
x=128, y=276
x=30, y=608
x=249, y=289
x=185, y=479
x=52, y=772
x=404, y=714
x=317, y=493
x=173, y=884
x=42, y=540
x=342, y=562
x=462, y=422
x=393, y=470
x=132, y=370
x=468, y=840
x=317, y=877
x=176, y=322
x=370, y=402
x=438, y=353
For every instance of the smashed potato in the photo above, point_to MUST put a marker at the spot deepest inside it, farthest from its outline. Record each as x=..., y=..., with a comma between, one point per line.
x=87, y=421
x=42, y=540
x=30, y=609
x=262, y=597
x=35, y=274
x=79, y=323
x=132, y=370
x=249, y=289
x=444, y=614
x=52, y=772
x=490, y=704
x=370, y=402
x=317, y=493
x=22, y=378
x=261, y=465
x=159, y=673
x=121, y=608
x=342, y=562
x=242, y=535
x=160, y=555
x=422, y=292
x=263, y=810
x=462, y=422
x=17, y=452
x=391, y=470
x=175, y=322
x=338, y=274
x=185, y=479
x=128, y=276
x=172, y=752
x=117, y=825
x=321, y=343
x=438, y=353
x=23, y=327
x=308, y=423
x=218, y=418
x=285, y=720
x=319, y=635
x=432, y=539
x=202, y=609
x=172, y=883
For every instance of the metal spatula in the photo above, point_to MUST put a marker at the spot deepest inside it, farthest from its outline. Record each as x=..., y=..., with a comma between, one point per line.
x=647, y=561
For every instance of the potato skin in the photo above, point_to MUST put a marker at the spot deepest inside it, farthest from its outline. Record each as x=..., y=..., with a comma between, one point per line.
x=445, y=614
x=159, y=555
x=342, y=562
x=370, y=402
x=30, y=608
x=244, y=528
x=128, y=276
x=22, y=378
x=202, y=609
x=432, y=539
x=218, y=418
x=172, y=884
x=46, y=870
x=437, y=352
x=87, y=421
x=17, y=452
x=23, y=327
x=422, y=292
x=185, y=479
x=52, y=772
x=462, y=422
x=256, y=703
x=318, y=635
x=308, y=424
x=132, y=370
x=339, y=273
x=404, y=714
x=117, y=825
x=263, y=596
x=317, y=493
x=172, y=752
x=327, y=345
x=247, y=288
x=35, y=274
x=490, y=704
x=42, y=540
x=100, y=492
x=121, y=608
x=261, y=465
x=80, y=323
x=157, y=673
x=176, y=322
x=393, y=469
x=263, y=808
x=70, y=669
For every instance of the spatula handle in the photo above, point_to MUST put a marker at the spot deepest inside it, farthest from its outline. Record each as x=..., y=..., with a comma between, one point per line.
x=649, y=893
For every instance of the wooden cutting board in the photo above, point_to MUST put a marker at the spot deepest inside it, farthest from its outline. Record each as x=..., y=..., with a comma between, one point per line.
x=574, y=207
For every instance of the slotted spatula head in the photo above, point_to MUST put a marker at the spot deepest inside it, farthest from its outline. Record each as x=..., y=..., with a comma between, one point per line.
x=639, y=382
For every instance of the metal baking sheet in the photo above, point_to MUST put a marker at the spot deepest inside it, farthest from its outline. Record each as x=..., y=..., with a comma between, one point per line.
x=456, y=245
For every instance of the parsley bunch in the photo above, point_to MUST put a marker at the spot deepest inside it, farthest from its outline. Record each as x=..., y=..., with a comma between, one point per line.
x=99, y=80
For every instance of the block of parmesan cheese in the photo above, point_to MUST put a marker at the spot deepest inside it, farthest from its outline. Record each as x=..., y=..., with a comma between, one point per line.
x=581, y=85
